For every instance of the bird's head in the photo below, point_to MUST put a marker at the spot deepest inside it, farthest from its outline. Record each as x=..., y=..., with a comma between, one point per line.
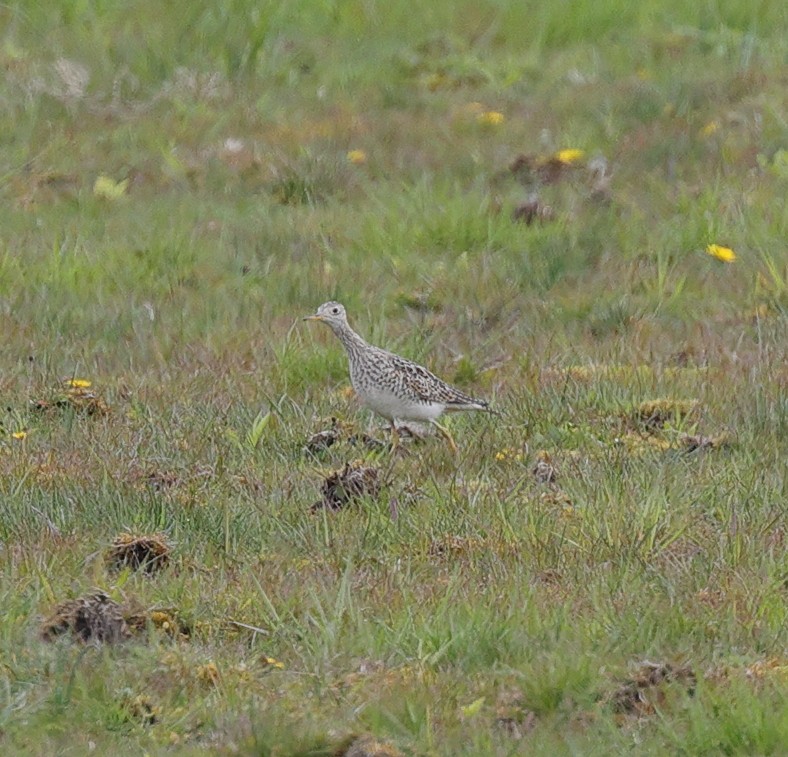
x=331, y=313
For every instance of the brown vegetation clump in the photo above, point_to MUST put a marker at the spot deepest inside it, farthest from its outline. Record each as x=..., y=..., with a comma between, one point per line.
x=349, y=484
x=693, y=442
x=327, y=437
x=452, y=545
x=321, y=441
x=148, y=553
x=75, y=395
x=532, y=169
x=159, y=480
x=365, y=745
x=94, y=617
x=339, y=431
x=139, y=709
x=531, y=211
x=645, y=691
x=516, y=726
x=544, y=469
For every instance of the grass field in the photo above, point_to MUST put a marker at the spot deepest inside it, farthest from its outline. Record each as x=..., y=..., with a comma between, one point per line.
x=523, y=196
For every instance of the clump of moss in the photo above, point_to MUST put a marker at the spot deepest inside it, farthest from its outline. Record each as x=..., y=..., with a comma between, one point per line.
x=655, y=414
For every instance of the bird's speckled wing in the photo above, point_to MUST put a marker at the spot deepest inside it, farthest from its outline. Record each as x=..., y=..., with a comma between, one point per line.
x=428, y=387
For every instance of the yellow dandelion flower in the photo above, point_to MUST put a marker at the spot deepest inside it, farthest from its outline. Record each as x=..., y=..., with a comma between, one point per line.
x=109, y=189
x=725, y=254
x=357, y=157
x=570, y=155
x=76, y=383
x=490, y=118
x=270, y=661
x=19, y=435
x=710, y=128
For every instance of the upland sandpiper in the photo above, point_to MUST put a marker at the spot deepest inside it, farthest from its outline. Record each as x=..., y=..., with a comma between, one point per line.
x=396, y=388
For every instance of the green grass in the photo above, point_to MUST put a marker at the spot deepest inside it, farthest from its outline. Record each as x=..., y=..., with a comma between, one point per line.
x=490, y=598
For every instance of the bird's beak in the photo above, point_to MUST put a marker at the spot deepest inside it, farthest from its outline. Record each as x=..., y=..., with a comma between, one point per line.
x=312, y=318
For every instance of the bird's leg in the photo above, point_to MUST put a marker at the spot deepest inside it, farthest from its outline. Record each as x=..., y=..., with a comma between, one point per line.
x=394, y=436
x=446, y=435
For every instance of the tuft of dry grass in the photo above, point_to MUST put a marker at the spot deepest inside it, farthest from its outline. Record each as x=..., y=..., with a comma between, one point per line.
x=149, y=553
x=94, y=617
x=349, y=484
x=645, y=692
x=366, y=745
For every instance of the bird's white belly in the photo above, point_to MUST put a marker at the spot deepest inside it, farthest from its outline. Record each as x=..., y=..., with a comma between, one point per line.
x=392, y=407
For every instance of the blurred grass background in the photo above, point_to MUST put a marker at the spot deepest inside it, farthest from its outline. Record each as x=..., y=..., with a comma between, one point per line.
x=181, y=182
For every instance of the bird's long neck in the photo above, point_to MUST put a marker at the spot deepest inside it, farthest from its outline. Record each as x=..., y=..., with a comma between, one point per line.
x=351, y=341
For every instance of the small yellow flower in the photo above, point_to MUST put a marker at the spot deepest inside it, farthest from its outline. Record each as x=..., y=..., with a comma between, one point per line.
x=710, y=128
x=490, y=118
x=109, y=189
x=76, y=383
x=725, y=254
x=270, y=661
x=19, y=435
x=569, y=156
x=357, y=157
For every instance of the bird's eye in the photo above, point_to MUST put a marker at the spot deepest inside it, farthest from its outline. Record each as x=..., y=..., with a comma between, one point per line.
x=335, y=311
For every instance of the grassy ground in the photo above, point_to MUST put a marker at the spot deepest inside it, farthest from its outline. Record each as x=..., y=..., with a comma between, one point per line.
x=181, y=182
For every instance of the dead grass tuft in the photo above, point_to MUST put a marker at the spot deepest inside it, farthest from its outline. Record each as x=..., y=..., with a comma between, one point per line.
x=516, y=726
x=693, y=442
x=94, y=617
x=365, y=745
x=341, y=431
x=149, y=553
x=531, y=211
x=74, y=396
x=139, y=709
x=530, y=170
x=451, y=545
x=349, y=484
x=642, y=694
x=544, y=469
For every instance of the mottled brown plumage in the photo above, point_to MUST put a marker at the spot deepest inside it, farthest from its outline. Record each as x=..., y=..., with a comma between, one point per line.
x=396, y=388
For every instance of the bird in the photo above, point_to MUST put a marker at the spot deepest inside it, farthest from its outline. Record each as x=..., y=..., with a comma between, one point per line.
x=392, y=386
